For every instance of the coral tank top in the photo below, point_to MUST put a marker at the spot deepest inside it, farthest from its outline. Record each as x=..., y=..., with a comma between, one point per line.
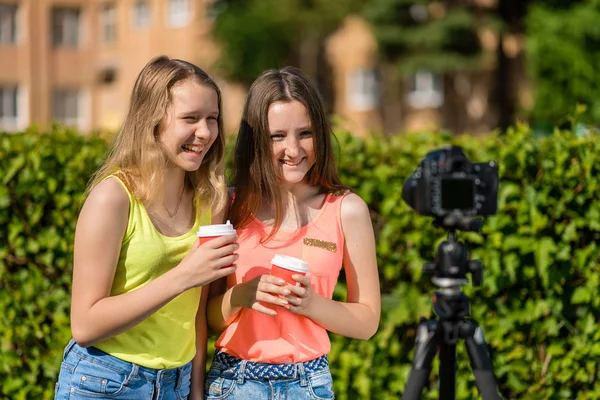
x=287, y=337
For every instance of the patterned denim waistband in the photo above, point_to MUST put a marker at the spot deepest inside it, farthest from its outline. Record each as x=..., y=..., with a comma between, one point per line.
x=260, y=370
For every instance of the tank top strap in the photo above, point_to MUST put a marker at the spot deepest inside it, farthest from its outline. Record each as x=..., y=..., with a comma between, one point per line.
x=119, y=177
x=339, y=192
x=331, y=213
x=334, y=199
x=136, y=211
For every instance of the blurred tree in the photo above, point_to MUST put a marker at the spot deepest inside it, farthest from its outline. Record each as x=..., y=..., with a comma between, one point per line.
x=439, y=37
x=512, y=15
x=563, y=48
x=259, y=34
x=425, y=34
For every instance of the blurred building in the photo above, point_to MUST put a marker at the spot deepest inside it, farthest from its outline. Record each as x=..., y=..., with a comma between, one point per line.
x=75, y=61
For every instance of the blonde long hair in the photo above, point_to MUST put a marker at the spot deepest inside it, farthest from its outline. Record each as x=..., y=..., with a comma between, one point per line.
x=137, y=155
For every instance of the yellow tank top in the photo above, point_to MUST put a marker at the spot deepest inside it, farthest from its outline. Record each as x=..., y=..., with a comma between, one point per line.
x=166, y=339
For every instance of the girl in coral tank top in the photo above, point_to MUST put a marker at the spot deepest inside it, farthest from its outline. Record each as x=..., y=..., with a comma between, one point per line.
x=289, y=201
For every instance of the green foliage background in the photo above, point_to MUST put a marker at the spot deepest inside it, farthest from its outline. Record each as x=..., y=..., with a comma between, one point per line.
x=563, y=49
x=538, y=304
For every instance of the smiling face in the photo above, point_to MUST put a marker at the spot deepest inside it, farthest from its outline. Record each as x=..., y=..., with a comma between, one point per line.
x=292, y=141
x=190, y=126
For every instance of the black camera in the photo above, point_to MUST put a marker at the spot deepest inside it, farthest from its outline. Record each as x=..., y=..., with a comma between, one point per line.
x=447, y=184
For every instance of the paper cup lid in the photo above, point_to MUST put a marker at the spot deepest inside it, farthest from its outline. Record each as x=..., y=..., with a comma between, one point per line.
x=291, y=263
x=216, y=230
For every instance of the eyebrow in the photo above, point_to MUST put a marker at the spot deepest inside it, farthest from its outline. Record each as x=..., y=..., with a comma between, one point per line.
x=196, y=112
x=301, y=129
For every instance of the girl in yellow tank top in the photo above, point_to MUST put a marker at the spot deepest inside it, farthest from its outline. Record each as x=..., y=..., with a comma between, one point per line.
x=288, y=200
x=138, y=308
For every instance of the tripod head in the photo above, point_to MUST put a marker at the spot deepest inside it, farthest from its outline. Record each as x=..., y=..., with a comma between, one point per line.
x=452, y=263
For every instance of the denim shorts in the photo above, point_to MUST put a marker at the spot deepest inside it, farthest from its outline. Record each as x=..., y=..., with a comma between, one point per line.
x=88, y=373
x=236, y=379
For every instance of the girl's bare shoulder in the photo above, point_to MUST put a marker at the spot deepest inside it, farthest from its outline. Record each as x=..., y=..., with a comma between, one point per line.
x=108, y=196
x=353, y=206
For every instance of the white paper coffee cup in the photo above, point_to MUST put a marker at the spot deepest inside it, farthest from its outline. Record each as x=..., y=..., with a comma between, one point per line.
x=285, y=266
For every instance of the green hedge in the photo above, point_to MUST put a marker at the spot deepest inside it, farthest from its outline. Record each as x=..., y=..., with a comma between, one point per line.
x=43, y=177
x=538, y=304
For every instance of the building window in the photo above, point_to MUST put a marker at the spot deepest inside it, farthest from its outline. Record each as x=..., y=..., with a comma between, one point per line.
x=425, y=90
x=363, y=90
x=65, y=27
x=9, y=112
x=107, y=75
x=8, y=23
x=109, y=23
x=141, y=14
x=66, y=107
x=178, y=14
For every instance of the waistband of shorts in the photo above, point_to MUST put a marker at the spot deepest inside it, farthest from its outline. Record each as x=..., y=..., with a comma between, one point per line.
x=125, y=367
x=266, y=371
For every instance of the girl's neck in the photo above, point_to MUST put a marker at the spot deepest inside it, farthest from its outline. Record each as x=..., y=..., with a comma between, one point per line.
x=173, y=185
x=297, y=193
x=175, y=216
x=301, y=205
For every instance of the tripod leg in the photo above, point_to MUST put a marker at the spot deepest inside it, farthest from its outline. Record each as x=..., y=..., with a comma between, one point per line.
x=447, y=371
x=426, y=347
x=448, y=361
x=481, y=363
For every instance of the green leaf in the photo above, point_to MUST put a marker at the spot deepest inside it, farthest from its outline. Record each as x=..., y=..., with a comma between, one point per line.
x=543, y=258
x=581, y=295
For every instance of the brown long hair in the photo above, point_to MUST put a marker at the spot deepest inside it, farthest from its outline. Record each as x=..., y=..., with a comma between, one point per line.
x=137, y=154
x=254, y=179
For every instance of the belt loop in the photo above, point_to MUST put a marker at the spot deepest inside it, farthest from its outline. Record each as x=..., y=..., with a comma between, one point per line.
x=302, y=373
x=68, y=348
x=178, y=377
x=132, y=374
x=241, y=371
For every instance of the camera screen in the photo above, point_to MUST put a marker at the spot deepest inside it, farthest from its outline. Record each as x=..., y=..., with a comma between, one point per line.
x=457, y=193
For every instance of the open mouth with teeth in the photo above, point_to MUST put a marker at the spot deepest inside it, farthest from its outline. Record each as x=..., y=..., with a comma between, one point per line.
x=292, y=163
x=192, y=149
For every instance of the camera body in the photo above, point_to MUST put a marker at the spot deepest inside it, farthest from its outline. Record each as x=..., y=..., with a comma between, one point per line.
x=446, y=184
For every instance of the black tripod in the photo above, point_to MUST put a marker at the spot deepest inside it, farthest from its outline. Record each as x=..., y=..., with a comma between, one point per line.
x=453, y=309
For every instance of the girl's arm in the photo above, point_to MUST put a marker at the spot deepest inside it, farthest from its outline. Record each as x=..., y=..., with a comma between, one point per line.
x=225, y=304
x=358, y=317
x=95, y=314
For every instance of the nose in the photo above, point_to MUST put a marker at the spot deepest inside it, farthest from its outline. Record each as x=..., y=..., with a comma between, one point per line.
x=292, y=148
x=202, y=130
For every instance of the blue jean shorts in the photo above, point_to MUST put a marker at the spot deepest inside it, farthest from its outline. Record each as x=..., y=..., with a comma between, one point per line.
x=232, y=378
x=88, y=373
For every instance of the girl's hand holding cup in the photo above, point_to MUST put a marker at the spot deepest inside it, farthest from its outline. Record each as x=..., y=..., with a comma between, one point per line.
x=262, y=293
x=266, y=293
x=301, y=294
x=213, y=256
